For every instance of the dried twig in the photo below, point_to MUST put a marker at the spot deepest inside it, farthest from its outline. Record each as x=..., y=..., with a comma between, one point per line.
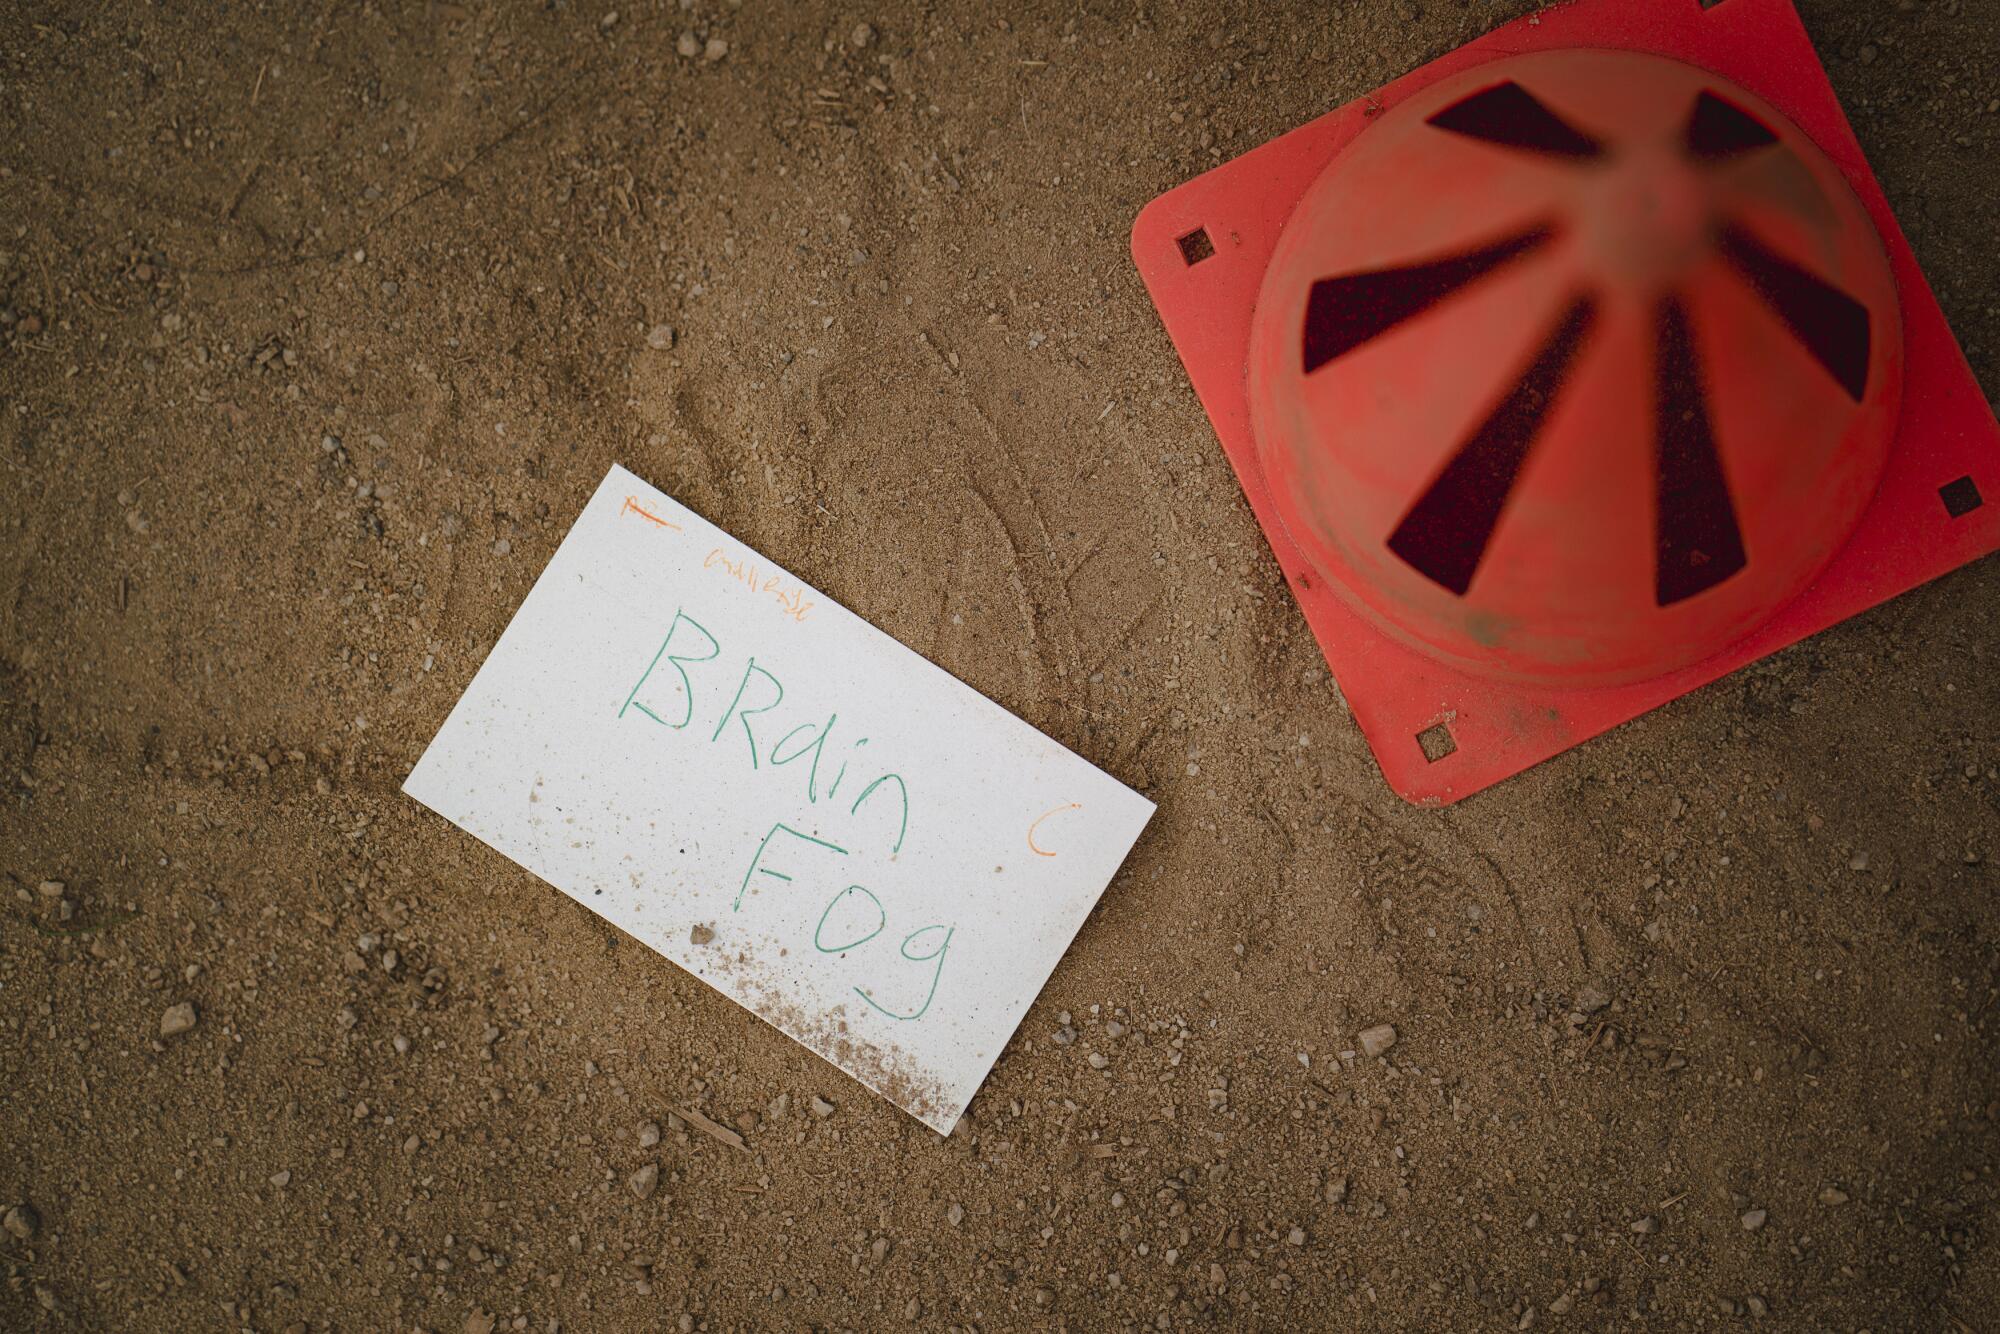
x=713, y=1129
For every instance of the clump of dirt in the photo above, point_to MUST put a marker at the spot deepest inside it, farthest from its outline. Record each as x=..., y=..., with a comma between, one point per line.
x=317, y=325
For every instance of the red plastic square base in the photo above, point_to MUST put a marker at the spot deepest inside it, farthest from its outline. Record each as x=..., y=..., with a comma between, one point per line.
x=1438, y=732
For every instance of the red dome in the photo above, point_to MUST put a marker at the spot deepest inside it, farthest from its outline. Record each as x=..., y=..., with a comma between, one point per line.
x=1575, y=367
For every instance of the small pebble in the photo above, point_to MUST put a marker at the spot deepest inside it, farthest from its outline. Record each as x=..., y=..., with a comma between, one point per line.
x=643, y=1181
x=862, y=35
x=715, y=50
x=821, y=1107
x=22, y=1222
x=955, y=1215
x=688, y=45
x=1833, y=1196
x=649, y=1134
x=178, y=1019
x=1376, y=1040
x=1754, y=1220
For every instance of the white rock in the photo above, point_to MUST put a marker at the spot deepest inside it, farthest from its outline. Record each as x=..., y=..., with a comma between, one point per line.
x=23, y=1222
x=644, y=1180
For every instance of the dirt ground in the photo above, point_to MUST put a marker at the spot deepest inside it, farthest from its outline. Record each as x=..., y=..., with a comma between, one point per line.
x=320, y=322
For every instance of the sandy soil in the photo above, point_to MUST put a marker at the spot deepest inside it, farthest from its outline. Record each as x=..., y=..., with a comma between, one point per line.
x=322, y=319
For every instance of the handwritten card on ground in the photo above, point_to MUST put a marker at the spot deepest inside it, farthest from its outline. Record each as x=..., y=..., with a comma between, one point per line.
x=823, y=826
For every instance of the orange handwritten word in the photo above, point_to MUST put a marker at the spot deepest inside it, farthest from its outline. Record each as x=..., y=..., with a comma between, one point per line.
x=632, y=506
x=791, y=600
